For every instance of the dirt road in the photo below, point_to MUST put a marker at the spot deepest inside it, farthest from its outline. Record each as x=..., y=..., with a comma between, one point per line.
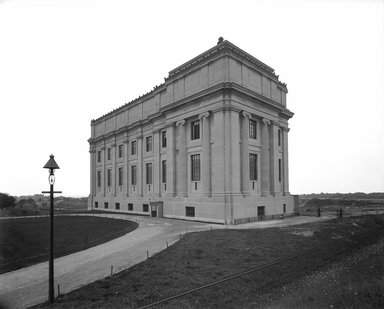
x=29, y=286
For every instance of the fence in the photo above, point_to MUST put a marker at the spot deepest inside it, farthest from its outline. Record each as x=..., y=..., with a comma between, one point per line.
x=341, y=212
x=261, y=218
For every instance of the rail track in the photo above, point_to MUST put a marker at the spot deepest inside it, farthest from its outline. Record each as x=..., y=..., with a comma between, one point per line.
x=265, y=266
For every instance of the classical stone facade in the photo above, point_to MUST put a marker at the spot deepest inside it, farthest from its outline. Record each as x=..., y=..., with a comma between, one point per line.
x=209, y=144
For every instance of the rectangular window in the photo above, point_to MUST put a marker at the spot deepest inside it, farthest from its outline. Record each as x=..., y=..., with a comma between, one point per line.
x=99, y=178
x=120, y=151
x=279, y=170
x=284, y=208
x=164, y=171
x=252, y=166
x=109, y=154
x=109, y=178
x=99, y=156
x=117, y=205
x=261, y=211
x=130, y=206
x=96, y=204
x=164, y=139
x=133, y=175
x=279, y=137
x=133, y=148
x=189, y=211
x=195, y=130
x=148, y=143
x=105, y=205
x=120, y=176
x=145, y=207
x=148, y=175
x=252, y=129
x=195, y=167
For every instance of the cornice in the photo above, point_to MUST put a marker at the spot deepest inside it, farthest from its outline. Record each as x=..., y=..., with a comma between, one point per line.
x=139, y=99
x=223, y=47
x=218, y=88
x=287, y=113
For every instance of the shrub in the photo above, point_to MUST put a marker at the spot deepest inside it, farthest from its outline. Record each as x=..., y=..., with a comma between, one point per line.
x=6, y=200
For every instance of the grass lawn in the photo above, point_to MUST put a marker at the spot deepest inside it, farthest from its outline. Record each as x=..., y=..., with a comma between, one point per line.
x=25, y=242
x=203, y=257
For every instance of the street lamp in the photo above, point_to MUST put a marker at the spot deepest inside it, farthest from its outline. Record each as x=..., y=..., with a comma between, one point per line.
x=52, y=166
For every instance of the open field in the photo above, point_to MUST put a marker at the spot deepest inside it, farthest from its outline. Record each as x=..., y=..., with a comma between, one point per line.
x=349, y=207
x=25, y=242
x=204, y=257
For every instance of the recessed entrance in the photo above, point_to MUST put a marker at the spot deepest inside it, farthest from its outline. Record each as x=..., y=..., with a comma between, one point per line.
x=260, y=211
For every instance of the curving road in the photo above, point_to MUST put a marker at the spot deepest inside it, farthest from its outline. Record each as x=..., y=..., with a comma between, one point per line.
x=29, y=286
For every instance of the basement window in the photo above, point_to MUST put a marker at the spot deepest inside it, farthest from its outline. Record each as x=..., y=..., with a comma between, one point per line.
x=145, y=207
x=189, y=211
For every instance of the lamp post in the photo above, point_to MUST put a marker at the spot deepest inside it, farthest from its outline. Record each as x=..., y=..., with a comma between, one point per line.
x=52, y=166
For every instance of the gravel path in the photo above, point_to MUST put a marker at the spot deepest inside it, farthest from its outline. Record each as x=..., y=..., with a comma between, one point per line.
x=29, y=286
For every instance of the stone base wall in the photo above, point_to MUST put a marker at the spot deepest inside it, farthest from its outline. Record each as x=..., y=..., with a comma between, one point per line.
x=235, y=209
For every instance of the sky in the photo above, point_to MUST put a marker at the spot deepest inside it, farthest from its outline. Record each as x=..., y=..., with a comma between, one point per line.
x=66, y=62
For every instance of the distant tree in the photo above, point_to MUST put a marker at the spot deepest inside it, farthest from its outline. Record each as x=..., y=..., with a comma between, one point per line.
x=6, y=200
x=30, y=202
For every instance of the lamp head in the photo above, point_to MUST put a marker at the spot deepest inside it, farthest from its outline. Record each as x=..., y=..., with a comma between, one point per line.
x=51, y=164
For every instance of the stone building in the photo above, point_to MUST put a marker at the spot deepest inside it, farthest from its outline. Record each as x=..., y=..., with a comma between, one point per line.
x=209, y=144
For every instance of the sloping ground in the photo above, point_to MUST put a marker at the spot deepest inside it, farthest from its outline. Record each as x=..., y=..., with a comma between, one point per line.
x=354, y=281
x=202, y=258
x=25, y=241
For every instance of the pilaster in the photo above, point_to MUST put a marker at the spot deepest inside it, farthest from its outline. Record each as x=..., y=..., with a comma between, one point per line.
x=171, y=161
x=103, y=173
x=285, y=161
x=218, y=172
x=245, y=152
x=206, y=155
x=92, y=153
x=156, y=163
x=274, y=160
x=113, y=159
x=265, y=158
x=233, y=155
x=139, y=169
x=126, y=167
x=182, y=167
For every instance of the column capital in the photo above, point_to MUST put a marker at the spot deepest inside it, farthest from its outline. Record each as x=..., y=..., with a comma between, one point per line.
x=266, y=121
x=113, y=145
x=126, y=141
x=102, y=148
x=92, y=150
x=157, y=131
x=276, y=123
x=180, y=122
x=204, y=115
x=246, y=114
x=286, y=129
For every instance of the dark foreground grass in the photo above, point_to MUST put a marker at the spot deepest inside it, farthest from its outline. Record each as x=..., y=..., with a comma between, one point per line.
x=25, y=242
x=201, y=258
